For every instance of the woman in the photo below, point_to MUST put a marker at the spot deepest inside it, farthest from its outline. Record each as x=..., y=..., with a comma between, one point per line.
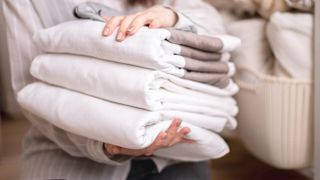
x=157, y=16
x=51, y=153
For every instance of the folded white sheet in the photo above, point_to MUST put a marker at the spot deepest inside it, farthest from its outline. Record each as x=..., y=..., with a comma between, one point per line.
x=114, y=123
x=147, y=48
x=134, y=86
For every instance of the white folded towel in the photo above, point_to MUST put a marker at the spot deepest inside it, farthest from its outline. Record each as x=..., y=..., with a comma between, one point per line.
x=114, y=123
x=134, y=86
x=147, y=48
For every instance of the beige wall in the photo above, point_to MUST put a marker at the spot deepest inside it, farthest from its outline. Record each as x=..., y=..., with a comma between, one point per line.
x=7, y=101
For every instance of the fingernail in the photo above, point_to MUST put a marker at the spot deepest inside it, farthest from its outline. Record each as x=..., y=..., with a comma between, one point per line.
x=120, y=36
x=178, y=121
x=106, y=31
x=187, y=130
x=131, y=29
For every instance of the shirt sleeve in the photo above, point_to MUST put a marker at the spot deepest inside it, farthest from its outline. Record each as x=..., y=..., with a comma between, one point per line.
x=74, y=145
x=198, y=17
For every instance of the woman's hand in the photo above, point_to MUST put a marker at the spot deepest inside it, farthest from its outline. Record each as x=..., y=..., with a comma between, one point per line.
x=164, y=140
x=154, y=17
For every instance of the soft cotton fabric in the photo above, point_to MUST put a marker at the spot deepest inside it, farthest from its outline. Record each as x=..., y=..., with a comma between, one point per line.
x=290, y=36
x=134, y=86
x=97, y=12
x=153, y=51
x=219, y=43
x=106, y=122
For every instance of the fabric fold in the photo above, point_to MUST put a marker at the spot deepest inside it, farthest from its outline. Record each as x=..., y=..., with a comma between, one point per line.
x=221, y=43
x=153, y=52
x=106, y=122
x=134, y=86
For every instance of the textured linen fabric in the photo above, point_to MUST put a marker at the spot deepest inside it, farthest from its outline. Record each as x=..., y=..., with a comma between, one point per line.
x=153, y=51
x=217, y=43
x=54, y=154
x=133, y=86
x=134, y=129
x=23, y=18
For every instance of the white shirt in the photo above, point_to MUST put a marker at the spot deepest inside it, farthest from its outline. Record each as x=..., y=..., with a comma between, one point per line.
x=50, y=152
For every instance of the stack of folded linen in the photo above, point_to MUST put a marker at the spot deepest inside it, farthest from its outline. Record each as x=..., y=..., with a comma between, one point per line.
x=126, y=93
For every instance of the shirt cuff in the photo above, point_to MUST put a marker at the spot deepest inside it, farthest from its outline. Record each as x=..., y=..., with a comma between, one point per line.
x=183, y=22
x=96, y=150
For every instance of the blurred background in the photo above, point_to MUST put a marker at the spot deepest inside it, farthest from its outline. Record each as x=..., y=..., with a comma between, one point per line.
x=240, y=164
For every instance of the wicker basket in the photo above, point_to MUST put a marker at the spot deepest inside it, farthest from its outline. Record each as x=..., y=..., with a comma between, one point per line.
x=276, y=119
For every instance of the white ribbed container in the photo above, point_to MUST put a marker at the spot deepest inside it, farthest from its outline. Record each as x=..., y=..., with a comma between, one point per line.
x=276, y=119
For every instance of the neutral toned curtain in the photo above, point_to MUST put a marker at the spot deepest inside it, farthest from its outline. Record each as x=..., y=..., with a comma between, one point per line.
x=7, y=100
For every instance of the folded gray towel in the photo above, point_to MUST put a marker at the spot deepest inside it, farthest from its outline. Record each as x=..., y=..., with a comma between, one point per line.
x=207, y=66
x=217, y=44
x=200, y=55
x=218, y=80
x=204, y=43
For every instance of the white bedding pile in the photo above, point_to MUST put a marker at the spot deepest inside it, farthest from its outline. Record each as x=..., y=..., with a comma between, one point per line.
x=147, y=48
x=115, y=102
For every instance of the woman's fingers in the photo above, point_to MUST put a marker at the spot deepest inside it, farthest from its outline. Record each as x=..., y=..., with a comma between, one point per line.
x=157, y=144
x=184, y=131
x=139, y=21
x=180, y=136
x=173, y=131
x=112, y=24
x=172, y=136
x=124, y=27
x=173, y=128
x=154, y=17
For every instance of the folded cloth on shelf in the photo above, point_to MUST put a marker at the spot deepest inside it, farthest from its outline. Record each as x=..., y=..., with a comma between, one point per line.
x=148, y=48
x=114, y=123
x=290, y=36
x=134, y=86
